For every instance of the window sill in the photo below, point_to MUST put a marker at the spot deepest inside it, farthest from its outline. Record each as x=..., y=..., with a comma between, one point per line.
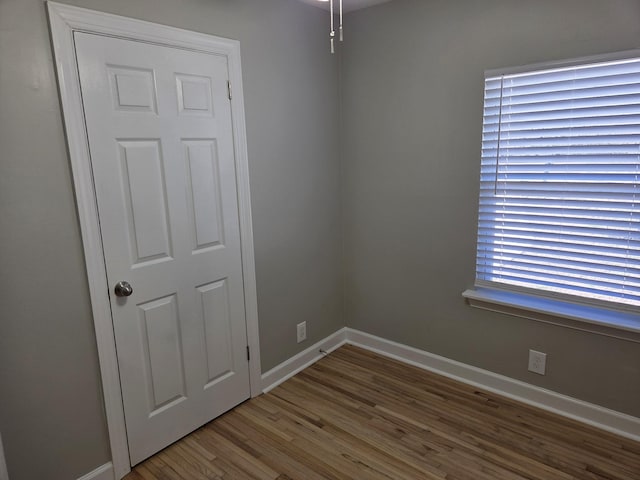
x=601, y=321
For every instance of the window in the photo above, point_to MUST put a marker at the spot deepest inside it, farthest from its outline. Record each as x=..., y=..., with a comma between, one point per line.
x=559, y=211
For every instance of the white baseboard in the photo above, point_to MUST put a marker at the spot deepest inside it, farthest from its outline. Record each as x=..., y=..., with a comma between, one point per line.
x=103, y=472
x=302, y=360
x=595, y=415
x=589, y=413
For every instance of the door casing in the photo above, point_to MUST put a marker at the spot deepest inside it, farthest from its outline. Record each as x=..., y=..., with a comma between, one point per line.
x=64, y=20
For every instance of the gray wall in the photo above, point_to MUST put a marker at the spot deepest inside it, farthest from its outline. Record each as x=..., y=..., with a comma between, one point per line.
x=412, y=104
x=51, y=416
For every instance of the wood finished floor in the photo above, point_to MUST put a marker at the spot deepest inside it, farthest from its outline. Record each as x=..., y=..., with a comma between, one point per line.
x=356, y=415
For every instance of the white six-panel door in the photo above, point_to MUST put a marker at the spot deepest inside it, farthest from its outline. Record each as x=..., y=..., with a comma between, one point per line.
x=160, y=138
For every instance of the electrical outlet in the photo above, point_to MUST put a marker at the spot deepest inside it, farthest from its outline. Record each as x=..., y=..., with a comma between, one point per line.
x=302, y=332
x=537, y=362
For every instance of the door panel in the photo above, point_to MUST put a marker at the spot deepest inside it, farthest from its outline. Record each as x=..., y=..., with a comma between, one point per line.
x=146, y=199
x=161, y=343
x=215, y=315
x=132, y=89
x=204, y=180
x=194, y=95
x=160, y=137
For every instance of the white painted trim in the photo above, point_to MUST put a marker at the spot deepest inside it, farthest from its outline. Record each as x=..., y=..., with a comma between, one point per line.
x=595, y=415
x=4, y=474
x=622, y=325
x=246, y=223
x=104, y=472
x=64, y=21
x=588, y=413
x=302, y=360
x=68, y=83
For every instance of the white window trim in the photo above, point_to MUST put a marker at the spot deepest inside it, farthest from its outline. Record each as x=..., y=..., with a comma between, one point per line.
x=617, y=323
x=587, y=318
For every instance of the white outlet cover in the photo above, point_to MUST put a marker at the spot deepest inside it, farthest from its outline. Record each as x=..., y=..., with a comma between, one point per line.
x=537, y=362
x=302, y=331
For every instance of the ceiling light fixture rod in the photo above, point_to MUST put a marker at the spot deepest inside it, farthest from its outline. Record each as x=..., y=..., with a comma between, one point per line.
x=341, y=35
x=332, y=34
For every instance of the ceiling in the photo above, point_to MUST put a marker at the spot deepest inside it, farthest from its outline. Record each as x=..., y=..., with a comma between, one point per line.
x=348, y=5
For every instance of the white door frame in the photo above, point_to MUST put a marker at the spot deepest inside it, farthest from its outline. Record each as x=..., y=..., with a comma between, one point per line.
x=64, y=21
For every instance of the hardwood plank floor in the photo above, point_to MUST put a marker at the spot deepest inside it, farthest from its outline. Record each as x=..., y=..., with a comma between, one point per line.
x=356, y=415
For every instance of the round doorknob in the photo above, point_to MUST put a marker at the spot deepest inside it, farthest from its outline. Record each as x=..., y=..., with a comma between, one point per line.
x=123, y=289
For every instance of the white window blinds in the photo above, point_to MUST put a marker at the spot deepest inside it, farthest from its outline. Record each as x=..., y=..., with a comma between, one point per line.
x=559, y=191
